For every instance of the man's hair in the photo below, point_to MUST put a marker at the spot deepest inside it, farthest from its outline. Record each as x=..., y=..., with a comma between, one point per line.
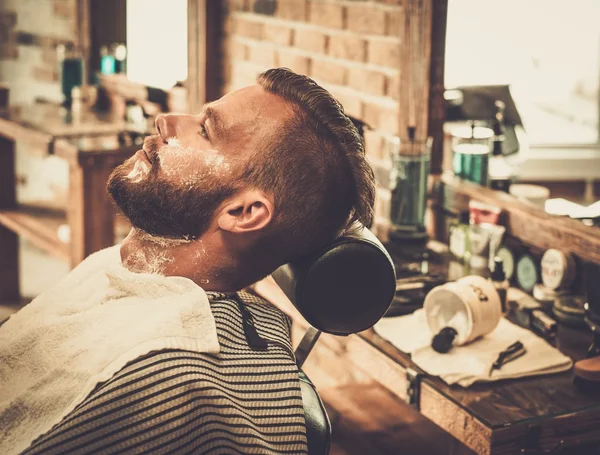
x=315, y=167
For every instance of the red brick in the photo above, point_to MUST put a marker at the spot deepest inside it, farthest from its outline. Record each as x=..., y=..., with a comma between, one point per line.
x=289, y=59
x=249, y=29
x=374, y=145
x=395, y=22
x=239, y=5
x=9, y=52
x=328, y=71
x=45, y=74
x=278, y=34
x=49, y=56
x=366, y=18
x=8, y=19
x=310, y=39
x=384, y=52
x=367, y=80
x=327, y=14
x=7, y=36
x=348, y=47
x=244, y=74
x=393, y=86
x=239, y=50
x=295, y=10
x=351, y=102
x=263, y=54
x=383, y=203
x=382, y=116
x=63, y=9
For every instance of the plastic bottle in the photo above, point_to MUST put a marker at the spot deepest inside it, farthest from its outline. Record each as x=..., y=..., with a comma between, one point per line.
x=459, y=243
x=501, y=173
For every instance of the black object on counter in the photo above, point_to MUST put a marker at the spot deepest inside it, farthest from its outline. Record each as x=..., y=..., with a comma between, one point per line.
x=442, y=342
x=513, y=352
x=498, y=279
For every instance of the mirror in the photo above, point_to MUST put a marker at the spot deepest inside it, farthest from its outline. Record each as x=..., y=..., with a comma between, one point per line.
x=542, y=59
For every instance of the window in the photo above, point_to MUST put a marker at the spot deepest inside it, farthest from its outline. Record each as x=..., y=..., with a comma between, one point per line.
x=157, y=42
x=549, y=53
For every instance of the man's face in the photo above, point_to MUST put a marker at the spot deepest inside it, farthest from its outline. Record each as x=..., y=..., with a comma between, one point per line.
x=174, y=185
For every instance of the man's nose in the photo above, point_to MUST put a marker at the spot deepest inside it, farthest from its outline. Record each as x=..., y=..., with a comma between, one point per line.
x=173, y=125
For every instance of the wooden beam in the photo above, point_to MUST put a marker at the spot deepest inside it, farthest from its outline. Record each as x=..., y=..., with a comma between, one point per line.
x=205, y=26
x=436, y=83
x=415, y=67
x=9, y=241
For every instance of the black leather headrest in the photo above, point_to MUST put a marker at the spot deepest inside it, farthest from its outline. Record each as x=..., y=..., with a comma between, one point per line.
x=344, y=289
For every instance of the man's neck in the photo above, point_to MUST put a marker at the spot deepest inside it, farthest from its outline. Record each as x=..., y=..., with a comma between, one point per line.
x=193, y=259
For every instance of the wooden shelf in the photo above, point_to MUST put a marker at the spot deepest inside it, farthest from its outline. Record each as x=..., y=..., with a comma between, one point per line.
x=39, y=226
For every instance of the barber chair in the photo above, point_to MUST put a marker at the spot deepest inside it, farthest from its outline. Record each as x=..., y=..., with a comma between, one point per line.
x=342, y=290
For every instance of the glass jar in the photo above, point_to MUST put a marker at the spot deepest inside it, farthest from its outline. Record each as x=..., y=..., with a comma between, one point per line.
x=471, y=148
x=408, y=184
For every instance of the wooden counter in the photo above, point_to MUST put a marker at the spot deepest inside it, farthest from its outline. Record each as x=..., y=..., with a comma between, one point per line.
x=517, y=416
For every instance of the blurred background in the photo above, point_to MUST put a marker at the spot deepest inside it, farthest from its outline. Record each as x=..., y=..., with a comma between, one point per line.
x=81, y=82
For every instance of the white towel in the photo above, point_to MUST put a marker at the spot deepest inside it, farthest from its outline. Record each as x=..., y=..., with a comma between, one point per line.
x=467, y=364
x=55, y=350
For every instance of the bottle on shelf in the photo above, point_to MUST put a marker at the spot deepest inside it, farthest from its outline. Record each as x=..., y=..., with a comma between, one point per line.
x=501, y=173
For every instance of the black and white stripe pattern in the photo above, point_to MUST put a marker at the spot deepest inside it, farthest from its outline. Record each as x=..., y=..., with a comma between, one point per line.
x=240, y=401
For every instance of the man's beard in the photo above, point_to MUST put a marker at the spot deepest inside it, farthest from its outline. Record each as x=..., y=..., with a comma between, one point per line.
x=168, y=209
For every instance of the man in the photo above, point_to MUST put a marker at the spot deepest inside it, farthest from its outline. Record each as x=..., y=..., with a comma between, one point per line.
x=217, y=202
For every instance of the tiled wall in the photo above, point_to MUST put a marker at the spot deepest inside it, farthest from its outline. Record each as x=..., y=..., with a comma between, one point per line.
x=352, y=48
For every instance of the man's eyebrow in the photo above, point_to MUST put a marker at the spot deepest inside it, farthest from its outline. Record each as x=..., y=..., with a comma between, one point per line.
x=217, y=125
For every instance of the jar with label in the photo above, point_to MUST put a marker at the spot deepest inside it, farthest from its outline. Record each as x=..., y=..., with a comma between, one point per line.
x=558, y=269
x=462, y=311
x=528, y=273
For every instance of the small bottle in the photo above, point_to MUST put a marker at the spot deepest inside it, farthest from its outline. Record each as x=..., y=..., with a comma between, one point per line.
x=459, y=243
x=501, y=173
x=498, y=279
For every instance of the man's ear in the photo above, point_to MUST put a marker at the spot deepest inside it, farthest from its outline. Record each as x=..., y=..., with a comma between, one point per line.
x=248, y=211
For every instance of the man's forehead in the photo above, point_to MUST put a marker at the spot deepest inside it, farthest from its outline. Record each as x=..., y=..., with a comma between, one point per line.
x=253, y=101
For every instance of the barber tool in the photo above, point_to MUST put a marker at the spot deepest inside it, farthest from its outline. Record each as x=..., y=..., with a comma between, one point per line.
x=513, y=352
x=498, y=279
x=529, y=314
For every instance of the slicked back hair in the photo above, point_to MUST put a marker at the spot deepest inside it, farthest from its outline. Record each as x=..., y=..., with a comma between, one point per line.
x=316, y=169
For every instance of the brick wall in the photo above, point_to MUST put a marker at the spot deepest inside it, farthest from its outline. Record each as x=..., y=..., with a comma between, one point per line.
x=352, y=48
x=30, y=30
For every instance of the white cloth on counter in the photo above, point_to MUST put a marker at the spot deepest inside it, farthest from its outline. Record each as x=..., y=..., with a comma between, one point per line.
x=471, y=363
x=100, y=317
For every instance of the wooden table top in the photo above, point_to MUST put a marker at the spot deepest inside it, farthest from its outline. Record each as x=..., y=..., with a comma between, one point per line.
x=52, y=129
x=513, y=401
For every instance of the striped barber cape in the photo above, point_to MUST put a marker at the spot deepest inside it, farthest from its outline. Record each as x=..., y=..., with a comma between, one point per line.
x=244, y=400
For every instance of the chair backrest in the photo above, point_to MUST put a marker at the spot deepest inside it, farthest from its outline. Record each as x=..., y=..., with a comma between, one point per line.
x=344, y=289
x=341, y=290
